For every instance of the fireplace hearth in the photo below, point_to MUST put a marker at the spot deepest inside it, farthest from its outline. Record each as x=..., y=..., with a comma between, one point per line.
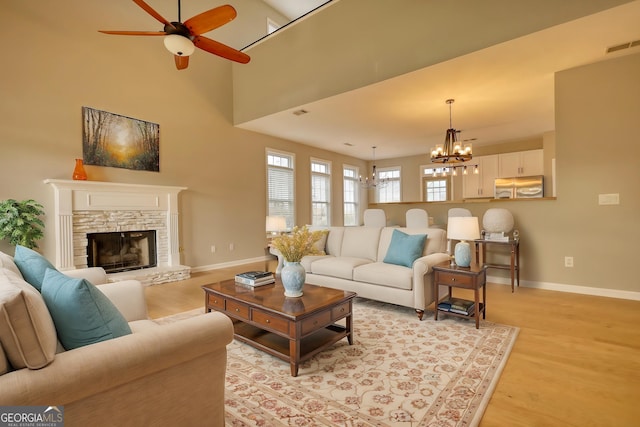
x=122, y=250
x=93, y=207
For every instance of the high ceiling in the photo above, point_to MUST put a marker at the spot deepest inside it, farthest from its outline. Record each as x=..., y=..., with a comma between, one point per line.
x=503, y=93
x=294, y=9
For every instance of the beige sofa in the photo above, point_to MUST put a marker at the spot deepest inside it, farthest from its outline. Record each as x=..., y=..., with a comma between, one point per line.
x=355, y=261
x=160, y=375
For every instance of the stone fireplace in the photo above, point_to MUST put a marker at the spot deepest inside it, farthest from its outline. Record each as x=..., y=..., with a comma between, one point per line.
x=86, y=208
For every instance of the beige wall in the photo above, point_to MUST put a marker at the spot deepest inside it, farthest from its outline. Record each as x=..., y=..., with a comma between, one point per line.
x=307, y=63
x=56, y=67
x=596, y=143
x=51, y=70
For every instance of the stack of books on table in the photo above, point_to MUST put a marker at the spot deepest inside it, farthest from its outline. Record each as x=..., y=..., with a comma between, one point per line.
x=457, y=305
x=255, y=278
x=496, y=237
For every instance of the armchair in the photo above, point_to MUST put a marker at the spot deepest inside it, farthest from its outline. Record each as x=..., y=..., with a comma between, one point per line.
x=161, y=375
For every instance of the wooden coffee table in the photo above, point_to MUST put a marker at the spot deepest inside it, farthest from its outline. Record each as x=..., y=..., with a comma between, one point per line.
x=292, y=329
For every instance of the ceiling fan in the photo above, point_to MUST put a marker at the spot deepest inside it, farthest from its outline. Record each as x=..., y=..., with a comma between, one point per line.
x=181, y=39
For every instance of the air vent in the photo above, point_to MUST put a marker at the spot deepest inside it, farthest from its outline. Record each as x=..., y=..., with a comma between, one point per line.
x=623, y=46
x=300, y=112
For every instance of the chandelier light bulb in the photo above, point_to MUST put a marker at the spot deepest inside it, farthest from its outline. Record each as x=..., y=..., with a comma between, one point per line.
x=374, y=181
x=452, y=151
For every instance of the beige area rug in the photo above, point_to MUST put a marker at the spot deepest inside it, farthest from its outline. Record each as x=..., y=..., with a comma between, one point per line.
x=399, y=372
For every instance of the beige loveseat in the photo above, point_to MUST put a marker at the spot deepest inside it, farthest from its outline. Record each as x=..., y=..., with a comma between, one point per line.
x=356, y=260
x=160, y=375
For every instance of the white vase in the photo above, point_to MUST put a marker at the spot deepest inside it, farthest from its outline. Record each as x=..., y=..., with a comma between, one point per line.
x=293, y=276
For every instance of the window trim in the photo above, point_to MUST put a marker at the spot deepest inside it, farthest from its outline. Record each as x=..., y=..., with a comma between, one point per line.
x=357, y=202
x=380, y=171
x=328, y=176
x=424, y=177
x=292, y=156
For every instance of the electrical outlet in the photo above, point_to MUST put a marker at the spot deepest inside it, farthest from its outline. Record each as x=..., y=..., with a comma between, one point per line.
x=231, y=247
x=568, y=261
x=213, y=249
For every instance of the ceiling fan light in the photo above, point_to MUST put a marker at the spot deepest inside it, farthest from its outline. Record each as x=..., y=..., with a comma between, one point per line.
x=179, y=45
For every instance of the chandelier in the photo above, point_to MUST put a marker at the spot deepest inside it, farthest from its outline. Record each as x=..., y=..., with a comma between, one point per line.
x=374, y=181
x=452, y=151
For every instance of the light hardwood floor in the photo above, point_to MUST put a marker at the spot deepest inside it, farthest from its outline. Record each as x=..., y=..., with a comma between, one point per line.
x=576, y=361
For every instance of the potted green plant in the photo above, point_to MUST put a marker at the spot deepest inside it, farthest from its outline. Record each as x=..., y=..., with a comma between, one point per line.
x=20, y=222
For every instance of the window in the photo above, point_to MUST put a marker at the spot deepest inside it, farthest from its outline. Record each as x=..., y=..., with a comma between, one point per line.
x=351, y=196
x=435, y=189
x=391, y=191
x=280, y=186
x=436, y=184
x=271, y=26
x=320, y=193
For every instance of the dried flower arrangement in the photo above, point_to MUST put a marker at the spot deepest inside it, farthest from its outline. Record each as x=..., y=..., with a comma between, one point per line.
x=299, y=243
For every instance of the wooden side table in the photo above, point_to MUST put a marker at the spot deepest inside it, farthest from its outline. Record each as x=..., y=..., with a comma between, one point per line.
x=452, y=276
x=513, y=266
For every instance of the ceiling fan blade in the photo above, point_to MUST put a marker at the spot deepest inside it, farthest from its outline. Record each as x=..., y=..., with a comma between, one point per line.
x=211, y=19
x=134, y=33
x=152, y=12
x=220, y=49
x=182, y=62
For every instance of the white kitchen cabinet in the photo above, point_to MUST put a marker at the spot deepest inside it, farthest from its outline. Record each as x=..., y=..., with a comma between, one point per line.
x=521, y=163
x=480, y=184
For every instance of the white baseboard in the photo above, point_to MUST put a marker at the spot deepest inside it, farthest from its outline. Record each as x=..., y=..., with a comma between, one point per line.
x=575, y=289
x=231, y=263
x=560, y=287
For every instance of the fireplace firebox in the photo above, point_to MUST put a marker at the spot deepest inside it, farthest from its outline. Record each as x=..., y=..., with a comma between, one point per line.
x=122, y=250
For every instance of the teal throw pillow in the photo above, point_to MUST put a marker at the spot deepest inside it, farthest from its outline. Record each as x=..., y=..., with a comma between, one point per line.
x=405, y=248
x=81, y=313
x=32, y=265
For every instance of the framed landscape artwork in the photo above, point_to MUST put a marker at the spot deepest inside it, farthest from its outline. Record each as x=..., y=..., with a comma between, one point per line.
x=117, y=141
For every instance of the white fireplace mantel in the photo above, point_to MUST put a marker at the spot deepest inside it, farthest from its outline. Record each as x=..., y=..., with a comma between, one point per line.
x=76, y=196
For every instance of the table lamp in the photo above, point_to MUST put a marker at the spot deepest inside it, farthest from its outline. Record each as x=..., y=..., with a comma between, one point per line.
x=276, y=224
x=463, y=228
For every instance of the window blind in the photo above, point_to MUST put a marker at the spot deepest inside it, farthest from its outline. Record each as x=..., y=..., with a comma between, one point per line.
x=280, y=187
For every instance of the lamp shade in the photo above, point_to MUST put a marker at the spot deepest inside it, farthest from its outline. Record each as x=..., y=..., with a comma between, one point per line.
x=179, y=45
x=276, y=223
x=463, y=228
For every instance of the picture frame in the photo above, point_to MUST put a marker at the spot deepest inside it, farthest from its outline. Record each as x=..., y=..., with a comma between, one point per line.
x=114, y=140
